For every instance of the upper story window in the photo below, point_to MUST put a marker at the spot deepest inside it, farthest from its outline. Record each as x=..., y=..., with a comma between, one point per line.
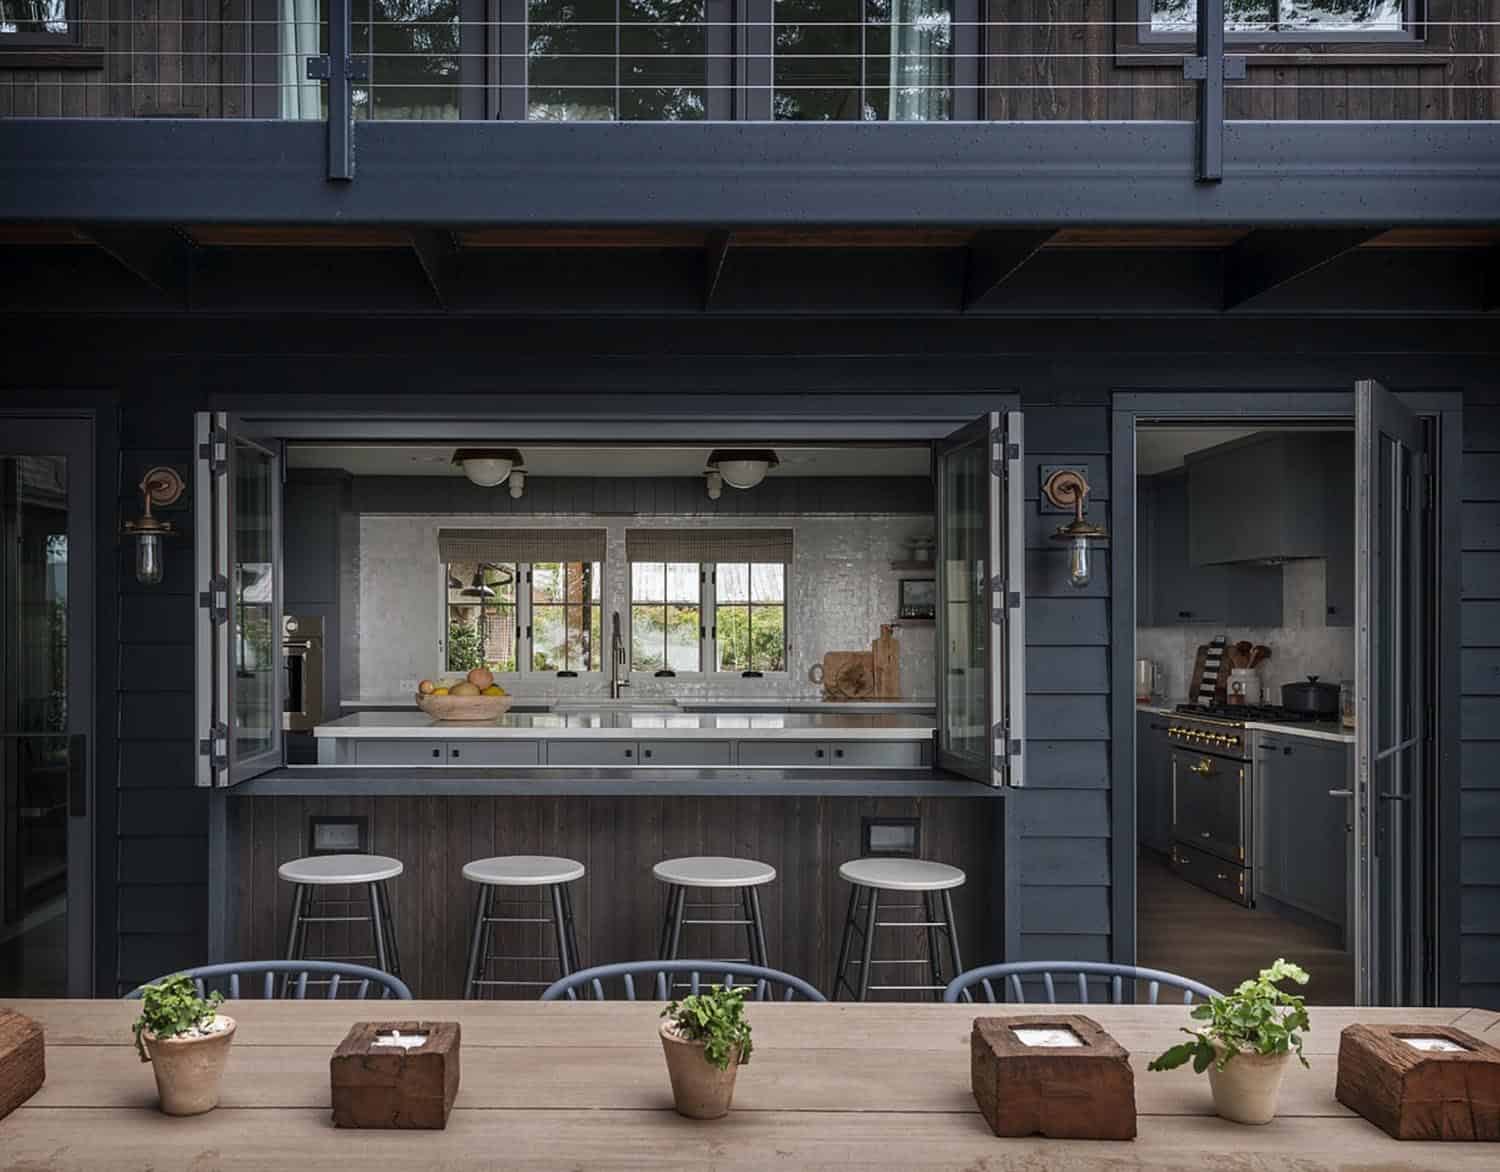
x=38, y=22
x=1309, y=20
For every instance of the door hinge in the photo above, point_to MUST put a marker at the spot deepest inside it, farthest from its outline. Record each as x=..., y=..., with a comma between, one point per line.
x=1007, y=452
x=216, y=599
x=215, y=746
x=216, y=451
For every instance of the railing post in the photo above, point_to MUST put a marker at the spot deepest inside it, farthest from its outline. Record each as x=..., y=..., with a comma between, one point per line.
x=339, y=69
x=1210, y=68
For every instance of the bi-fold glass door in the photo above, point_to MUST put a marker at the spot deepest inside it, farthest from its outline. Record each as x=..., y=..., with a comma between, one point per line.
x=981, y=625
x=237, y=521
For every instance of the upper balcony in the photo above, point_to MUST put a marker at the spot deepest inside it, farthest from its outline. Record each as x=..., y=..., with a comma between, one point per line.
x=957, y=112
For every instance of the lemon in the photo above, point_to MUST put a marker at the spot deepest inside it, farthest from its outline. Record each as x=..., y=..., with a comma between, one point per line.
x=493, y=690
x=440, y=692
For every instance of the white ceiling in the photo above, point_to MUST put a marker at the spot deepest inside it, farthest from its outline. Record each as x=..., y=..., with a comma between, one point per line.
x=635, y=461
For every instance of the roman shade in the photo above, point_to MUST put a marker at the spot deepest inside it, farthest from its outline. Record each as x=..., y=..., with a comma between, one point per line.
x=521, y=545
x=708, y=545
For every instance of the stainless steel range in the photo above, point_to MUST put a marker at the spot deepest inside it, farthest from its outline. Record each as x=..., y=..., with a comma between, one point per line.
x=1213, y=794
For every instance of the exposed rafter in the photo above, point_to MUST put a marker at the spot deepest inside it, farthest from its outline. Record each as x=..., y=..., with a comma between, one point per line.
x=715, y=254
x=1270, y=257
x=1489, y=299
x=437, y=253
x=161, y=257
x=996, y=256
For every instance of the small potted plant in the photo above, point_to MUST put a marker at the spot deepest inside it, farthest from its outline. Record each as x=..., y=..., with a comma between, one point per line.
x=706, y=1039
x=1246, y=1045
x=186, y=1040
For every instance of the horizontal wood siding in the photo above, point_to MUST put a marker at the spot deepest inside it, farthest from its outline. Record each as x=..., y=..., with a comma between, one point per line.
x=1479, y=719
x=618, y=903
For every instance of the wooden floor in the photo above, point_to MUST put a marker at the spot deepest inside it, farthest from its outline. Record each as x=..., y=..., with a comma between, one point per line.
x=1184, y=929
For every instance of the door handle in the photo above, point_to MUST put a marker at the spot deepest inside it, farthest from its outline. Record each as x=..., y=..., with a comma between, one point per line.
x=1203, y=768
x=1341, y=793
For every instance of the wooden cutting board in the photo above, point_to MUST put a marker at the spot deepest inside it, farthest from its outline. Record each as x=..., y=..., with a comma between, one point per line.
x=886, y=652
x=849, y=675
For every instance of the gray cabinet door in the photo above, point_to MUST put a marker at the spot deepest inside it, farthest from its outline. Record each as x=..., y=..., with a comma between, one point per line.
x=1304, y=847
x=592, y=753
x=787, y=753
x=494, y=752
x=687, y=752
x=882, y=754
x=398, y=752
x=1153, y=782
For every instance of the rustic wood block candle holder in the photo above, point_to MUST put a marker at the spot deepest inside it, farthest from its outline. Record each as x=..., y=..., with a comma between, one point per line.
x=1060, y=1076
x=1421, y=1082
x=383, y=1077
x=23, y=1060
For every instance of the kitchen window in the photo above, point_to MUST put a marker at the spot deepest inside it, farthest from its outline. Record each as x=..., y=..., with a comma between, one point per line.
x=750, y=616
x=666, y=616
x=566, y=617
x=483, y=628
x=1272, y=20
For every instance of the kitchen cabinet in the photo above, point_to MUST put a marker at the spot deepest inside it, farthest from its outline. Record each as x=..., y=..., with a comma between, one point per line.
x=787, y=753
x=1258, y=499
x=1182, y=591
x=1153, y=782
x=592, y=753
x=494, y=753
x=1302, y=849
x=399, y=752
x=886, y=754
x=687, y=752
x=433, y=752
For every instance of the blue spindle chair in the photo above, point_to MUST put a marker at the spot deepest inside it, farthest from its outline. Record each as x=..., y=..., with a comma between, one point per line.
x=353, y=980
x=1116, y=975
x=662, y=980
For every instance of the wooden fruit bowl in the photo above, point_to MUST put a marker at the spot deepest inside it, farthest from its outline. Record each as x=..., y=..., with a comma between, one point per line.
x=463, y=707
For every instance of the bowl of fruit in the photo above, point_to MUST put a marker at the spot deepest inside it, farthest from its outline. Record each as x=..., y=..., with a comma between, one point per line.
x=476, y=697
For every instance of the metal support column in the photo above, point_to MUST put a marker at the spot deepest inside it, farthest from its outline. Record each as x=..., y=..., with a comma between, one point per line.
x=340, y=70
x=1210, y=69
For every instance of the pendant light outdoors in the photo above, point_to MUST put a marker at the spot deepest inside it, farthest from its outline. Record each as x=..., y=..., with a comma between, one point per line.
x=1068, y=489
x=742, y=467
x=161, y=487
x=488, y=467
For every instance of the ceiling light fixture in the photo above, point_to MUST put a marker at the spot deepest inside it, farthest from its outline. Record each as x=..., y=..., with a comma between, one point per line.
x=715, y=485
x=742, y=467
x=488, y=467
x=1067, y=488
x=517, y=484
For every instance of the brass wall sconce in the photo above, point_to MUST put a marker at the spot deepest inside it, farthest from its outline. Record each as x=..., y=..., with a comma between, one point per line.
x=1067, y=488
x=160, y=487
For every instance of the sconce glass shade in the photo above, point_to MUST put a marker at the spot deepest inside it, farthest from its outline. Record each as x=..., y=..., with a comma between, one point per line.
x=488, y=467
x=741, y=468
x=1079, y=563
x=148, y=559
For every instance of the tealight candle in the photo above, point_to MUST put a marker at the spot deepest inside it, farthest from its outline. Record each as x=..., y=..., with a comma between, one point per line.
x=1045, y=1037
x=1438, y=1045
x=397, y=1038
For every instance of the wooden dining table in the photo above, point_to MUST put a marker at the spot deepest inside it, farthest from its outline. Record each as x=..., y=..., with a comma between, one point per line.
x=584, y=1085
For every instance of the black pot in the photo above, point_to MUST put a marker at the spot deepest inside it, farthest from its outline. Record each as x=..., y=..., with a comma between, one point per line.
x=1311, y=697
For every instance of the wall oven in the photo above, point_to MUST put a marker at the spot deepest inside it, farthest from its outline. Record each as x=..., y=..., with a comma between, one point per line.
x=302, y=657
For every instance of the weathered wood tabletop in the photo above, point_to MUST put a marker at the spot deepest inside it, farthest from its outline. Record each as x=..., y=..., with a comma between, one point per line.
x=584, y=1086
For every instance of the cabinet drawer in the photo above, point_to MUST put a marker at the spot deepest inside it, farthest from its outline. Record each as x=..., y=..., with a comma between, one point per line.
x=1212, y=874
x=591, y=753
x=498, y=752
x=396, y=752
x=790, y=753
x=880, y=754
x=687, y=752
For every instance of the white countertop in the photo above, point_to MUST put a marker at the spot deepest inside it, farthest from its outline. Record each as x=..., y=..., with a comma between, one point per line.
x=686, y=704
x=606, y=725
x=1317, y=732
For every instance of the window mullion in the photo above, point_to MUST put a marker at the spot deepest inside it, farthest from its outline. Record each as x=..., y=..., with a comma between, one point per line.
x=523, y=618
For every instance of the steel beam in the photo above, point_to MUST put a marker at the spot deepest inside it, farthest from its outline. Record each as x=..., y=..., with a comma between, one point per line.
x=1268, y=258
x=1209, y=69
x=994, y=257
x=1490, y=295
x=997, y=174
x=437, y=253
x=715, y=254
x=161, y=257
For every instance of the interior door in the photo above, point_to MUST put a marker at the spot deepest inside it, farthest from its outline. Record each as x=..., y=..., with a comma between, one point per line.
x=1392, y=649
x=46, y=707
x=237, y=530
x=981, y=625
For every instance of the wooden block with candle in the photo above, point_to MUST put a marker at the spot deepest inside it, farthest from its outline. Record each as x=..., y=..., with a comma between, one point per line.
x=395, y=1074
x=1421, y=1082
x=1058, y=1075
x=23, y=1060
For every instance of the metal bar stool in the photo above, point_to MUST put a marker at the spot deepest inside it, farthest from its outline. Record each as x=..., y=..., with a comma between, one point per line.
x=746, y=876
x=869, y=877
x=544, y=871
x=312, y=876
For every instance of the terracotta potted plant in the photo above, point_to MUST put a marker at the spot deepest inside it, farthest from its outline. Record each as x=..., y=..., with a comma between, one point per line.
x=1250, y=1037
x=186, y=1040
x=706, y=1039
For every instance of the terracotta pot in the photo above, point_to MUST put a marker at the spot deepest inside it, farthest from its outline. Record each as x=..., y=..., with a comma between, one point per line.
x=700, y=1089
x=189, y=1070
x=1245, y=1091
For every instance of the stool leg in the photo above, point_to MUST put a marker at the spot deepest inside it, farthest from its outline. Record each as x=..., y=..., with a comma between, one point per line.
x=841, y=969
x=934, y=945
x=299, y=897
x=388, y=919
x=676, y=937
x=666, y=923
x=958, y=964
x=481, y=902
x=378, y=929
x=560, y=930
x=575, y=958
x=869, y=944
x=759, y=927
x=748, y=916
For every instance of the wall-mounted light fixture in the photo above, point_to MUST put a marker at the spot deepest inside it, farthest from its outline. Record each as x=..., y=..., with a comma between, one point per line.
x=160, y=487
x=715, y=485
x=1067, y=488
x=488, y=467
x=741, y=467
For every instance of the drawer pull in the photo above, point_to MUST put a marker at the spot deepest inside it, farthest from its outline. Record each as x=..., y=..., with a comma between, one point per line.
x=1341, y=793
x=437, y=752
x=1204, y=767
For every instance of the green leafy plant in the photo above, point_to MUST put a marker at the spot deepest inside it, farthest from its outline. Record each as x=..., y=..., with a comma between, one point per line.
x=172, y=1007
x=1257, y=1018
x=717, y=1019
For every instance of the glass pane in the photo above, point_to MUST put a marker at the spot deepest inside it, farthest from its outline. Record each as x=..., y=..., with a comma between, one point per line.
x=734, y=637
x=1342, y=15
x=1181, y=16
x=767, y=582
x=648, y=638
x=817, y=63
x=964, y=716
x=733, y=582
x=768, y=638
x=548, y=639
x=34, y=16
x=547, y=580
x=570, y=50
x=684, y=581
x=34, y=760
x=683, y=623
x=648, y=582
x=254, y=660
x=663, y=60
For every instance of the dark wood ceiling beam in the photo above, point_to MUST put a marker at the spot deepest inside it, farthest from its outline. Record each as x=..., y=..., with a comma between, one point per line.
x=994, y=257
x=715, y=254
x=437, y=253
x=1489, y=299
x=160, y=257
x=1269, y=258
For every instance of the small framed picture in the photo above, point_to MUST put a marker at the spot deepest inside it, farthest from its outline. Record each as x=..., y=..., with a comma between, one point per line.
x=918, y=598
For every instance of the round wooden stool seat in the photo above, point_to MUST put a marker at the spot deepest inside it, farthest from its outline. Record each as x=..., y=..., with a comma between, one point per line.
x=523, y=870
x=901, y=874
x=335, y=870
x=713, y=871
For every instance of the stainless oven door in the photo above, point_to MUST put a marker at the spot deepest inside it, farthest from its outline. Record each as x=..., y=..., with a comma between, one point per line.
x=1208, y=806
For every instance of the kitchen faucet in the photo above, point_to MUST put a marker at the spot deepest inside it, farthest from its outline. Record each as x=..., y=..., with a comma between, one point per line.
x=616, y=658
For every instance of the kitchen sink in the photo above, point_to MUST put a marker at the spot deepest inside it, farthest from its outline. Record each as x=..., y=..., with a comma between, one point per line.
x=648, y=706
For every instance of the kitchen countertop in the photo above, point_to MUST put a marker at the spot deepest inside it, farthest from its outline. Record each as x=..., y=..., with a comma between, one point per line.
x=605, y=724
x=756, y=704
x=1323, y=731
